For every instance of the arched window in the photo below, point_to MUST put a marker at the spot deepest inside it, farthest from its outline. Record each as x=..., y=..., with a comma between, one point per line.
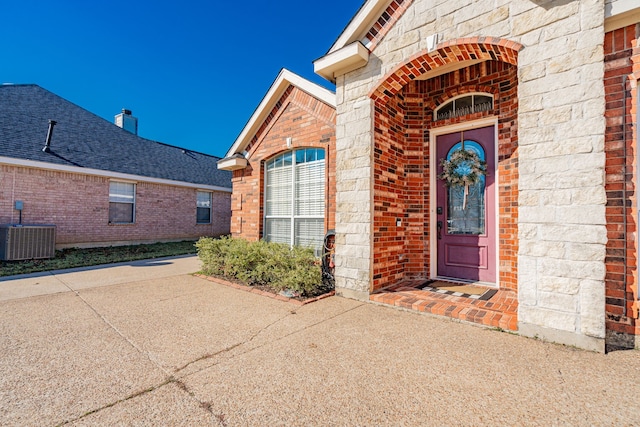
x=295, y=198
x=464, y=104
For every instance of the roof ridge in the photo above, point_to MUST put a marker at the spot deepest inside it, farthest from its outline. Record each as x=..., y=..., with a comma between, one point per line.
x=7, y=84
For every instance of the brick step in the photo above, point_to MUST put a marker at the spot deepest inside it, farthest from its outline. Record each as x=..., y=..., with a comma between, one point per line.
x=500, y=311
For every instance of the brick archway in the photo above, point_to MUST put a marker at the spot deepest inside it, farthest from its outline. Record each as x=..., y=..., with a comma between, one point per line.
x=450, y=52
x=404, y=104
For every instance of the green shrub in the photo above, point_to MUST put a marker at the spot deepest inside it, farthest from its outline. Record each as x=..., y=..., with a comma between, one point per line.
x=261, y=263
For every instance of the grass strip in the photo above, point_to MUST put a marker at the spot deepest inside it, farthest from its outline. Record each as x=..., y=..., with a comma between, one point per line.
x=75, y=257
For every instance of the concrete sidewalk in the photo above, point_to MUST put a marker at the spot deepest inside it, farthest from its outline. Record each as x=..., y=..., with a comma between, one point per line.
x=52, y=282
x=152, y=345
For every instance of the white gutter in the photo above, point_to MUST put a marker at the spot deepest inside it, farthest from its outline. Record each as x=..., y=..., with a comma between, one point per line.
x=107, y=174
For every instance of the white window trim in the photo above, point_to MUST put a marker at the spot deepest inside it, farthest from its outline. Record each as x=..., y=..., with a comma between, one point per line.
x=134, y=202
x=292, y=217
x=210, y=207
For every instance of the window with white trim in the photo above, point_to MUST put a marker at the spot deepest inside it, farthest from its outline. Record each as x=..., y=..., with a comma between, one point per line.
x=122, y=202
x=295, y=198
x=203, y=207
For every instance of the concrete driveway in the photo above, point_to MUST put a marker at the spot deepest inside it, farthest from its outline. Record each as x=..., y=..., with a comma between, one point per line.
x=146, y=343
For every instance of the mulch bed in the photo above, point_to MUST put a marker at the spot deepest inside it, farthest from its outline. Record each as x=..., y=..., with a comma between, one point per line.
x=264, y=290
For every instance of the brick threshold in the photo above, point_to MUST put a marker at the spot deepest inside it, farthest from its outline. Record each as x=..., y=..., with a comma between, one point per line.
x=499, y=311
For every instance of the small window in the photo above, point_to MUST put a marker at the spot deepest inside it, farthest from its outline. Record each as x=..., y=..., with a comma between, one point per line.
x=122, y=202
x=203, y=206
x=463, y=105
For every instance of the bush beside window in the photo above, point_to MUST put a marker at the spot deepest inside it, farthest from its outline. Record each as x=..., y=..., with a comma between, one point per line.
x=268, y=264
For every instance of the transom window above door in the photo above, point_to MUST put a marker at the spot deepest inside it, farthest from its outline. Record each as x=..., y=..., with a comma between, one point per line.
x=463, y=105
x=295, y=198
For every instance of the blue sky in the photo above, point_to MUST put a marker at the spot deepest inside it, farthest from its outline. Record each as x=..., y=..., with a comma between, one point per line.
x=192, y=71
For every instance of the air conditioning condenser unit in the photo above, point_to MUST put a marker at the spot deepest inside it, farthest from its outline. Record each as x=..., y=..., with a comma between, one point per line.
x=20, y=242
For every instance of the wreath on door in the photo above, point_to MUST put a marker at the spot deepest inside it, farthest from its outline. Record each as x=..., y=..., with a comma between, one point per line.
x=463, y=169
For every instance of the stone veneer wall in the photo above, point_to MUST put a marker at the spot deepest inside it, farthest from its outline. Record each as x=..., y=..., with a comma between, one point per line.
x=562, y=233
x=310, y=123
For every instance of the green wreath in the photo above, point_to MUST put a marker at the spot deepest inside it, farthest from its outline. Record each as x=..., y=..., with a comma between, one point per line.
x=463, y=169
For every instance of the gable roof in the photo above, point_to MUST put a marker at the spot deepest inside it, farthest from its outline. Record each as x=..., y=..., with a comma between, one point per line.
x=285, y=79
x=85, y=143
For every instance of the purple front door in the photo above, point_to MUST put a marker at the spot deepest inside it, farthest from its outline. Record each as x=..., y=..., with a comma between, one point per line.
x=465, y=218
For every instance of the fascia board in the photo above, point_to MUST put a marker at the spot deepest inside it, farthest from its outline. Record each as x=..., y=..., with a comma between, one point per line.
x=618, y=7
x=621, y=14
x=360, y=24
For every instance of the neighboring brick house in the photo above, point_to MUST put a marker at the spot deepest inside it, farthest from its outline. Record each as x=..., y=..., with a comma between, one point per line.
x=283, y=165
x=99, y=183
x=547, y=94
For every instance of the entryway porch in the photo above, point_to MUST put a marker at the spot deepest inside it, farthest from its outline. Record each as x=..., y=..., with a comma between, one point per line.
x=499, y=310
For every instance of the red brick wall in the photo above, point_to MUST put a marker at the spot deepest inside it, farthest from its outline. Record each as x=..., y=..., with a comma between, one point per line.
x=402, y=177
x=621, y=290
x=79, y=206
x=390, y=200
x=385, y=22
x=310, y=123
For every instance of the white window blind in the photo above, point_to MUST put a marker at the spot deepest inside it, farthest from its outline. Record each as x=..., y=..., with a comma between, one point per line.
x=309, y=233
x=310, y=189
x=279, y=186
x=121, y=192
x=295, y=198
x=278, y=230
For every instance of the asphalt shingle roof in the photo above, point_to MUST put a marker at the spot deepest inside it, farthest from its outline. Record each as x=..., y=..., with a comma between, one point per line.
x=82, y=139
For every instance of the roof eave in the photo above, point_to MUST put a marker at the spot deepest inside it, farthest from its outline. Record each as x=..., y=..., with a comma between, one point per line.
x=107, y=173
x=285, y=79
x=360, y=24
x=342, y=61
x=621, y=14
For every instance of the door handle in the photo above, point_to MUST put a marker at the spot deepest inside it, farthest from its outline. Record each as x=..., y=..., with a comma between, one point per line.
x=439, y=230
